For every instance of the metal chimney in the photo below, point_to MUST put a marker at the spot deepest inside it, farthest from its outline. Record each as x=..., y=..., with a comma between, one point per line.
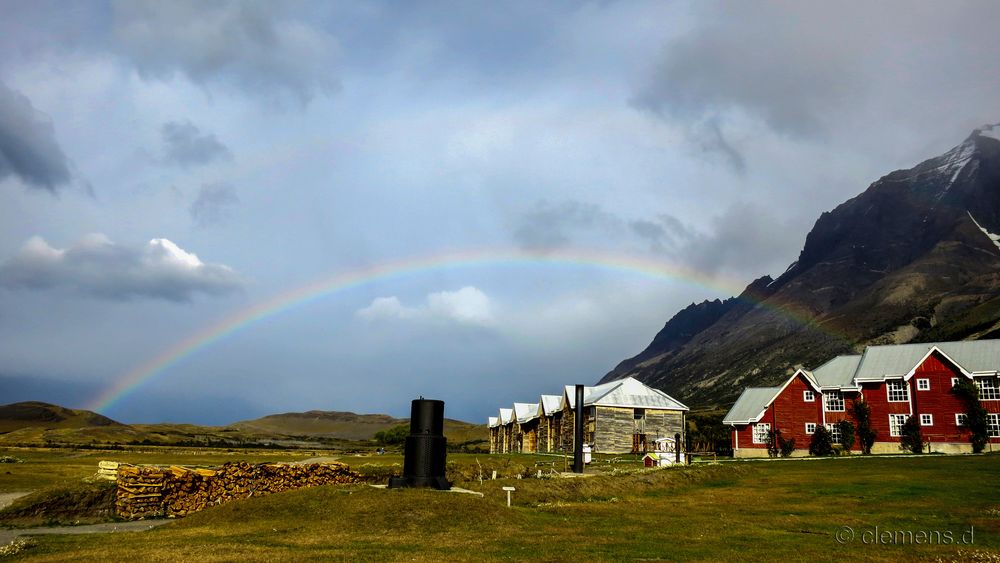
x=425, y=450
x=578, y=432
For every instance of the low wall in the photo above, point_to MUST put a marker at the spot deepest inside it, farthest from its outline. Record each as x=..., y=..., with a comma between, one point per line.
x=154, y=491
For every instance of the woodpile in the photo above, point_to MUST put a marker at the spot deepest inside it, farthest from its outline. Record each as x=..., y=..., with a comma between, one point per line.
x=150, y=491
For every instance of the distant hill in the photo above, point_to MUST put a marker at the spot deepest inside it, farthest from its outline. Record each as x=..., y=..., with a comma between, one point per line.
x=348, y=425
x=43, y=423
x=914, y=258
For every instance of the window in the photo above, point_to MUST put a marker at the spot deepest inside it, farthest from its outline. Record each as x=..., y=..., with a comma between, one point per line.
x=760, y=432
x=896, y=422
x=954, y=381
x=993, y=425
x=834, y=401
x=897, y=390
x=988, y=389
x=639, y=414
x=808, y=396
x=927, y=420
x=961, y=419
x=923, y=384
x=810, y=427
x=834, y=430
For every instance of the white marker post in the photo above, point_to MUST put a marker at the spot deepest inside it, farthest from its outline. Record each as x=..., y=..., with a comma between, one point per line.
x=509, y=491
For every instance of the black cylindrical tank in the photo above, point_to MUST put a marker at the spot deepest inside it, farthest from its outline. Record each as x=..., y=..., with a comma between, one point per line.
x=425, y=451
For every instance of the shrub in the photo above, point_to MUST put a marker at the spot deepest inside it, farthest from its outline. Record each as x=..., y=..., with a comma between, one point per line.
x=866, y=436
x=846, y=434
x=821, y=443
x=394, y=435
x=976, y=419
x=910, y=438
x=786, y=446
x=778, y=445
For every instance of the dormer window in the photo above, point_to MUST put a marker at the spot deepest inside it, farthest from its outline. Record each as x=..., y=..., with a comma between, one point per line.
x=834, y=401
x=897, y=390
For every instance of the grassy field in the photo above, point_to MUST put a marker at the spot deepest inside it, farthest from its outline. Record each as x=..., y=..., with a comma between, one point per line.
x=729, y=511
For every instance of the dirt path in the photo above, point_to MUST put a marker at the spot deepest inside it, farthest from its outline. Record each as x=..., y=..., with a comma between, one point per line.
x=7, y=498
x=6, y=536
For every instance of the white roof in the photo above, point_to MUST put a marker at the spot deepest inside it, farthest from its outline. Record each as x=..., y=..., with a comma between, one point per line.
x=492, y=421
x=548, y=404
x=628, y=393
x=506, y=415
x=525, y=412
x=751, y=405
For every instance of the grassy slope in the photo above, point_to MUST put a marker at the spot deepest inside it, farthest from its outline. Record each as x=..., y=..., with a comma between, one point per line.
x=736, y=511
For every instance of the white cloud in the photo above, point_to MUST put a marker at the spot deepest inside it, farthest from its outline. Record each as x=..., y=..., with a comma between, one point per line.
x=468, y=305
x=97, y=266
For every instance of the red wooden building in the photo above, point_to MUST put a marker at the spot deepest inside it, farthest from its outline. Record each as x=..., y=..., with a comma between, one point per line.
x=896, y=381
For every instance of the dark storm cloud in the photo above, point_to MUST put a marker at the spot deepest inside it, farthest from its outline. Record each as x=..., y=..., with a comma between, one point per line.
x=826, y=72
x=97, y=267
x=257, y=47
x=28, y=147
x=551, y=225
x=213, y=204
x=186, y=145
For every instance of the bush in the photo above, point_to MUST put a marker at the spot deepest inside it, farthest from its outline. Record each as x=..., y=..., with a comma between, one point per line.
x=846, y=434
x=866, y=436
x=976, y=419
x=394, y=435
x=821, y=443
x=910, y=438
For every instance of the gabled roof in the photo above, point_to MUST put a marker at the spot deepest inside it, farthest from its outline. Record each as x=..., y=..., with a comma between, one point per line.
x=628, y=393
x=506, y=415
x=881, y=362
x=492, y=422
x=548, y=404
x=751, y=405
x=525, y=412
x=837, y=373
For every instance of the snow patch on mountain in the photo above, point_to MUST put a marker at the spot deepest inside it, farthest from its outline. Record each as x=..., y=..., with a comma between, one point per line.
x=995, y=239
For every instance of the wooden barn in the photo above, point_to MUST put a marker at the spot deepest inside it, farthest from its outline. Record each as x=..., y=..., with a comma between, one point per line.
x=505, y=422
x=526, y=420
x=493, y=423
x=621, y=416
x=897, y=382
x=549, y=418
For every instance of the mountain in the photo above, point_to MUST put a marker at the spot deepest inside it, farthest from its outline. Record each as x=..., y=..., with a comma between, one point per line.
x=44, y=415
x=347, y=426
x=913, y=258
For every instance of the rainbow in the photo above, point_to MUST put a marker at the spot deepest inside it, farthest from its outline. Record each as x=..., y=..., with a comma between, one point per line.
x=128, y=382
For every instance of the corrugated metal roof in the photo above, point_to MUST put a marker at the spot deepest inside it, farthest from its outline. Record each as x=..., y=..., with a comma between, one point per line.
x=525, y=412
x=506, y=415
x=750, y=405
x=628, y=392
x=838, y=372
x=894, y=360
x=492, y=421
x=548, y=404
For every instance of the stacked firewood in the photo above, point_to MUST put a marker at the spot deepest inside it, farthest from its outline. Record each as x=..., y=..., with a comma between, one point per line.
x=147, y=491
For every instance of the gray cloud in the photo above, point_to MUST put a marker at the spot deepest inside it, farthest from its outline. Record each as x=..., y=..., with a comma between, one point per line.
x=28, y=147
x=186, y=145
x=98, y=267
x=256, y=47
x=551, y=225
x=213, y=204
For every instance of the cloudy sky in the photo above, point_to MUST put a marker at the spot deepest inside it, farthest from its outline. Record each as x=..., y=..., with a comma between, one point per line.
x=165, y=166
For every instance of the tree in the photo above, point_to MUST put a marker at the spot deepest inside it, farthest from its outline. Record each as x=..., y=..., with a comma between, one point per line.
x=846, y=434
x=821, y=443
x=778, y=445
x=976, y=419
x=910, y=438
x=866, y=436
x=394, y=435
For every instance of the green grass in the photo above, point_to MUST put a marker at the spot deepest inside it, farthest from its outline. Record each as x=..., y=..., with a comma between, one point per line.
x=731, y=511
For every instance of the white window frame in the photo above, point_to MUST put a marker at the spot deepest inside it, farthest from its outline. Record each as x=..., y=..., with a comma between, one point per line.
x=926, y=420
x=835, y=435
x=760, y=431
x=954, y=381
x=810, y=427
x=896, y=430
x=961, y=419
x=808, y=396
x=923, y=384
x=833, y=399
x=988, y=392
x=900, y=388
x=993, y=425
